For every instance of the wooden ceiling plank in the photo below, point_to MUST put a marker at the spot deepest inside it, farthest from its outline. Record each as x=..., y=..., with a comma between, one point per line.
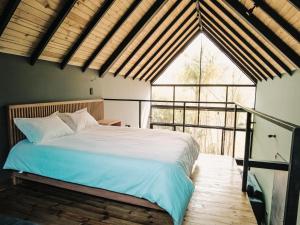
x=111, y=33
x=242, y=39
x=229, y=54
x=7, y=14
x=152, y=46
x=235, y=48
x=256, y=63
x=89, y=27
x=176, y=44
x=129, y=38
x=62, y=14
x=276, y=17
x=265, y=31
x=147, y=37
x=169, y=62
x=167, y=41
x=253, y=37
x=230, y=49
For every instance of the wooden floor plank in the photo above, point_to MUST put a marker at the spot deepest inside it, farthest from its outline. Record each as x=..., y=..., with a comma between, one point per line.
x=217, y=200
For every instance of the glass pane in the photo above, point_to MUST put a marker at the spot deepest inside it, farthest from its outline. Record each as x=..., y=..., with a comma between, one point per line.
x=242, y=95
x=228, y=143
x=186, y=93
x=212, y=118
x=209, y=139
x=162, y=93
x=162, y=115
x=213, y=94
x=191, y=117
x=240, y=144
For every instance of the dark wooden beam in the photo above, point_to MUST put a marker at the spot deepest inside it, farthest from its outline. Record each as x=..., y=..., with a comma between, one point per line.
x=166, y=42
x=61, y=15
x=169, y=62
x=265, y=31
x=278, y=18
x=111, y=34
x=212, y=30
x=7, y=13
x=296, y=3
x=177, y=43
x=182, y=12
x=252, y=36
x=234, y=58
x=224, y=34
x=147, y=37
x=242, y=39
x=86, y=31
x=131, y=35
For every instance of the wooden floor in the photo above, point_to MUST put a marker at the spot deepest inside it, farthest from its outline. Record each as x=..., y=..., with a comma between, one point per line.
x=217, y=200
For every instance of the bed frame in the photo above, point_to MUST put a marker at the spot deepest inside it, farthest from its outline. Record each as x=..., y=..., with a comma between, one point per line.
x=96, y=109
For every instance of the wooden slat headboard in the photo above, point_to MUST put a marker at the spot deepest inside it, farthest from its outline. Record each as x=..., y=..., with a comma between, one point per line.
x=94, y=107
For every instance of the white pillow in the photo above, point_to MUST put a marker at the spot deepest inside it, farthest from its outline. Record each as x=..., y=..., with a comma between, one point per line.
x=38, y=130
x=78, y=120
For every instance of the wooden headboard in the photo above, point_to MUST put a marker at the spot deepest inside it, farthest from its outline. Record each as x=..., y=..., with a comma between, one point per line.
x=94, y=107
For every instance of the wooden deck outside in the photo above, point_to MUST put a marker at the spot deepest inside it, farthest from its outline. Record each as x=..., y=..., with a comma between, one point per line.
x=217, y=200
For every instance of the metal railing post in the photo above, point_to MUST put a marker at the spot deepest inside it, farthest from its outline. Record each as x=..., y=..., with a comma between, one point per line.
x=234, y=131
x=140, y=114
x=225, y=123
x=293, y=185
x=174, y=128
x=247, y=152
x=183, y=122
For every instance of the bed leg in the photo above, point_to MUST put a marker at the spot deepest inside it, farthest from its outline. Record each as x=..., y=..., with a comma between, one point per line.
x=15, y=179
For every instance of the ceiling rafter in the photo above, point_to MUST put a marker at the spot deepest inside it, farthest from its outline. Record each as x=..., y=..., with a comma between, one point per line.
x=209, y=20
x=198, y=6
x=169, y=62
x=242, y=39
x=296, y=3
x=169, y=48
x=252, y=77
x=265, y=31
x=88, y=28
x=165, y=43
x=186, y=8
x=61, y=15
x=177, y=43
x=253, y=37
x=279, y=19
x=235, y=49
x=7, y=14
x=147, y=37
x=111, y=33
x=229, y=48
x=129, y=38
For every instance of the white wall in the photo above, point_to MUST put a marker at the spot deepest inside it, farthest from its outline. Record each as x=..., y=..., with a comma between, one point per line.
x=128, y=112
x=280, y=98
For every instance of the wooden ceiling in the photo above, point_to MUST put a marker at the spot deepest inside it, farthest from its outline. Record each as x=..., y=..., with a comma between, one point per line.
x=138, y=39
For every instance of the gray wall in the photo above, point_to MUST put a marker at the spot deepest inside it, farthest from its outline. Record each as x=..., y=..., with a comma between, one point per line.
x=279, y=98
x=22, y=83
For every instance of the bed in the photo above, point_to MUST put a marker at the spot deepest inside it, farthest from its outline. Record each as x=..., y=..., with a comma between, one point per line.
x=145, y=167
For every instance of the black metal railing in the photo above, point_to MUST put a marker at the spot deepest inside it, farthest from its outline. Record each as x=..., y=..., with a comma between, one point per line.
x=225, y=106
x=188, y=105
x=293, y=167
